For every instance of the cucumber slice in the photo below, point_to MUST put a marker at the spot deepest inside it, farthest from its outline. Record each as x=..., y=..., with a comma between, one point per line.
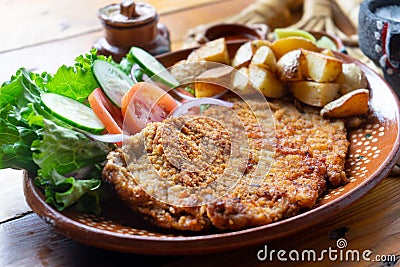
x=113, y=81
x=152, y=67
x=72, y=112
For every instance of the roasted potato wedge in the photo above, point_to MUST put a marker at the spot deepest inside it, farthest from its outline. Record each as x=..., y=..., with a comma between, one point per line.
x=353, y=103
x=301, y=64
x=292, y=66
x=351, y=78
x=186, y=71
x=314, y=93
x=255, y=44
x=328, y=52
x=243, y=56
x=322, y=68
x=266, y=81
x=241, y=81
x=213, y=81
x=265, y=57
x=203, y=89
x=214, y=51
x=284, y=45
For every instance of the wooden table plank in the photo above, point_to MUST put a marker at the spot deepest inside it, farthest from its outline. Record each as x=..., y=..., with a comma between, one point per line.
x=12, y=200
x=41, y=21
x=57, y=53
x=379, y=210
x=165, y=7
x=65, y=50
x=30, y=241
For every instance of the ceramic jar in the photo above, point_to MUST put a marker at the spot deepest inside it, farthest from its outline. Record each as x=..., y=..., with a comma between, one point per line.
x=131, y=24
x=379, y=38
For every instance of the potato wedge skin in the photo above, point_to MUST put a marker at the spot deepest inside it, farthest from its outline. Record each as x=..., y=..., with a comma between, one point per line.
x=266, y=82
x=351, y=78
x=292, y=66
x=314, y=93
x=354, y=103
x=301, y=64
x=322, y=68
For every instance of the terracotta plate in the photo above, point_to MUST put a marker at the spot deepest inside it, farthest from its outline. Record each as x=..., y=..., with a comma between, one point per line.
x=373, y=152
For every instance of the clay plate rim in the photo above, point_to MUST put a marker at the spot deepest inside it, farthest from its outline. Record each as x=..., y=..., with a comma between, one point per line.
x=210, y=243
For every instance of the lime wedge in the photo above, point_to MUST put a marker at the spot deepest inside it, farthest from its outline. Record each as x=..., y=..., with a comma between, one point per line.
x=280, y=33
x=326, y=42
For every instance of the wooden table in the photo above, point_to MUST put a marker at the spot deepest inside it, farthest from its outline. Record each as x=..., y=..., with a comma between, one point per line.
x=43, y=35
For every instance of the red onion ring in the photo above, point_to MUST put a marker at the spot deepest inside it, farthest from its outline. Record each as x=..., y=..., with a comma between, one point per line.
x=196, y=102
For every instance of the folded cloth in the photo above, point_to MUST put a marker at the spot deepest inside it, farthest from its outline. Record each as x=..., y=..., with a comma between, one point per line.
x=338, y=17
x=273, y=13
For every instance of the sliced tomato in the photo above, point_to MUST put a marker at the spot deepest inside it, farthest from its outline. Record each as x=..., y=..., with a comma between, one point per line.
x=107, y=112
x=144, y=103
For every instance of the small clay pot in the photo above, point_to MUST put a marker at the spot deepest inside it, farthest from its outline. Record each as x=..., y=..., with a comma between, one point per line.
x=379, y=39
x=131, y=24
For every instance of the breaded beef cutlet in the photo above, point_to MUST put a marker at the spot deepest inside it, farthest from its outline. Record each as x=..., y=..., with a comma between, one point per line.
x=289, y=162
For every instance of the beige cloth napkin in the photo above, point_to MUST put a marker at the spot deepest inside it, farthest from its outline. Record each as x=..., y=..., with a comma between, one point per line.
x=339, y=17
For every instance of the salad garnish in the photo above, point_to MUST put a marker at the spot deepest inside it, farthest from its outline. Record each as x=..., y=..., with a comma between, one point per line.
x=61, y=127
x=33, y=139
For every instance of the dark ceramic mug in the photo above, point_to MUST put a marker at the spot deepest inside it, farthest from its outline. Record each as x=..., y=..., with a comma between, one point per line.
x=379, y=39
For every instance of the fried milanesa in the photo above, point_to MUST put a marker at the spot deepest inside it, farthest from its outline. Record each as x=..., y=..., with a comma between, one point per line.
x=290, y=161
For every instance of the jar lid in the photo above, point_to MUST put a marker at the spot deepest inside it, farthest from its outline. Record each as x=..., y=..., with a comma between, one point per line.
x=127, y=14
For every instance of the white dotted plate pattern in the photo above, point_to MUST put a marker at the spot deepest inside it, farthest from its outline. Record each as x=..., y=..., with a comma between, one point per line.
x=104, y=224
x=364, y=149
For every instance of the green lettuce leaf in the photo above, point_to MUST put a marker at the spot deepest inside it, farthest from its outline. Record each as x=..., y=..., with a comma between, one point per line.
x=33, y=139
x=77, y=81
x=21, y=89
x=16, y=133
x=62, y=192
x=127, y=63
x=15, y=146
x=60, y=155
x=65, y=150
x=74, y=83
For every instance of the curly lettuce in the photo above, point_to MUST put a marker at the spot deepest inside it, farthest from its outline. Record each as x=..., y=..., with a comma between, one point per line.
x=65, y=150
x=16, y=133
x=34, y=140
x=78, y=81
